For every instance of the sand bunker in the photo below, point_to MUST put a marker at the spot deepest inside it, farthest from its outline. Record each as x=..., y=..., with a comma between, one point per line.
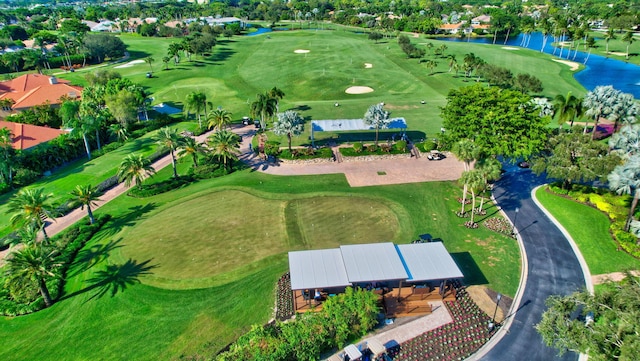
x=301, y=51
x=130, y=64
x=509, y=48
x=574, y=66
x=358, y=90
x=368, y=65
x=617, y=53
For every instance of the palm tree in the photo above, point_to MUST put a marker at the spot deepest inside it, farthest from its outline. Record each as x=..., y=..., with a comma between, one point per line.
x=590, y=43
x=265, y=106
x=7, y=156
x=166, y=60
x=133, y=169
x=452, y=61
x=289, y=123
x=609, y=36
x=218, y=118
x=490, y=169
x=224, y=145
x=598, y=103
x=190, y=146
x=277, y=94
x=628, y=38
x=473, y=181
x=69, y=112
x=34, y=264
x=168, y=138
x=627, y=141
x=87, y=196
x=625, y=179
x=567, y=108
x=431, y=64
x=30, y=207
x=120, y=131
x=377, y=117
x=149, y=60
x=197, y=101
x=467, y=151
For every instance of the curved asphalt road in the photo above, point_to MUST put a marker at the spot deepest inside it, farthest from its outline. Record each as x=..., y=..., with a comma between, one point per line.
x=552, y=265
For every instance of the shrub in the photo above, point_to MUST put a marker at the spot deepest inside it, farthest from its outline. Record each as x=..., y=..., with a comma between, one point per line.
x=25, y=176
x=107, y=183
x=207, y=171
x=372, y=148
x=358, y=147
x=401, y=145
x=385, y=147
x=272, y=147
x=427, y=146
x=4, y=188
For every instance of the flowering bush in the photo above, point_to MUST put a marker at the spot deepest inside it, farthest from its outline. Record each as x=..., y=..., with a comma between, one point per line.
x=454, y=341
x=284, y=298
x=499, y=225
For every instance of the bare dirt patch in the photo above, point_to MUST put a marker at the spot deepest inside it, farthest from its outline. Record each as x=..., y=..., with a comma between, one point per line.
x=486, y=300
x=358, y=90
x=400, y=107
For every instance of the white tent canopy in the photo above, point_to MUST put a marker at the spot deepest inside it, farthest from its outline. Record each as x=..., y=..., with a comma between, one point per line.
x=345, y=125
x=362, y=263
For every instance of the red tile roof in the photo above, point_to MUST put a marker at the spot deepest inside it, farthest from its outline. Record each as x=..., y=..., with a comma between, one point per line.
x=34, y=89
x=27, y=135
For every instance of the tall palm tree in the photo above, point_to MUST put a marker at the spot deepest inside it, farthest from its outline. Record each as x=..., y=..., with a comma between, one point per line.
x=218, y=118
x=34, y=264
x=30, y=207
x=567, y=108
x=7, y=156
x=452, y=61
x=191, y=147
x=599, y=103
x=133, y=169
x=225, y=145
x=120, y=131
x=87, y=196
x=474, y=182
x=168, y=138
x=467, y=151
x=289, y=123
x=149, y=60
x=69, y=112
x=628, y=38
x=431, y=64
x=377, y=117
x=197, y=102
x=277, y=94
x=625, y=179
x=490, y=169
x=590, y=43
x=610, y=35
x=265, y=106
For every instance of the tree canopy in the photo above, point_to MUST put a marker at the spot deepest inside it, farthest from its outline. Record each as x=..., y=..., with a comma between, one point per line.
x=604, y=326
x=500, y=121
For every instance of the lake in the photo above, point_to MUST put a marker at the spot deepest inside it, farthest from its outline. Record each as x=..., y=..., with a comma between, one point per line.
x=599, y=70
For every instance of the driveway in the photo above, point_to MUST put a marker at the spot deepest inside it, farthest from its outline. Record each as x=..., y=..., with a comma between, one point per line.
x=553, y=269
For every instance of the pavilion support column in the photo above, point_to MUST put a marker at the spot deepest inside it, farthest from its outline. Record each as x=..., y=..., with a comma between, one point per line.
x=399, y=289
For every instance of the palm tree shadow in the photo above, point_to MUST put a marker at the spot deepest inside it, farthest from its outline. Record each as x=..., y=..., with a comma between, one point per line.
x=115, y=278
x=89, y=257
x=135, y=213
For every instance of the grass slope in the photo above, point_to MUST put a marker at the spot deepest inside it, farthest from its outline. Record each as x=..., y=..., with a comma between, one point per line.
x=589, y=228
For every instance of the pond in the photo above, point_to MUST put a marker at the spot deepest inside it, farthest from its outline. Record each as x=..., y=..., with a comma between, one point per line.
x=599, y=70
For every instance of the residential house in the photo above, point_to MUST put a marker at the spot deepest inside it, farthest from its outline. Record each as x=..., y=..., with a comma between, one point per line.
x=26, y=135
x=30, y=90
x=481, y=20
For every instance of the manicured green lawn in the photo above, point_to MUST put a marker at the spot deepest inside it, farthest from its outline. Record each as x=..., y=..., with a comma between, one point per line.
x=82, y=171
x=589, y=228
x=181, y=317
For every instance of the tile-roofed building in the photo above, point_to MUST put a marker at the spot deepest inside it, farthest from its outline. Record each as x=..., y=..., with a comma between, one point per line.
x=26, y=135
x=30, y=90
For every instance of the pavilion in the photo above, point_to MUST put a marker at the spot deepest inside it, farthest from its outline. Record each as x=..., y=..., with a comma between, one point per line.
x=345, y=125
x=425, y=267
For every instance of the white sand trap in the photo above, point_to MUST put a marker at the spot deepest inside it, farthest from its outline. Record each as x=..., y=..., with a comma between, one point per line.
x=358, y=90
x=130, y=64
x=368, y=65
x=509, y=48
x=574, y=66
x=301, y=51
x=617, y=53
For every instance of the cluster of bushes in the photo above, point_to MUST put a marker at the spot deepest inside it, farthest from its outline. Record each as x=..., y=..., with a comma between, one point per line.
x=148, y=190
x=499, y=225
x=613, y=205
x=426, y=146
x=359, y=149
x=306, y=153
x=27, y=299
x=411, y=50
x=344, y=317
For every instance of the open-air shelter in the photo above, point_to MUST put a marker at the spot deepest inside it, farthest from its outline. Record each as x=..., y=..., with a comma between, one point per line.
x=346, y=125
x=373, y=263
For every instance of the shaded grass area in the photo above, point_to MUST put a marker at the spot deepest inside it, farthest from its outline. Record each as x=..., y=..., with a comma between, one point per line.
x=146, y=323
x=589, y=228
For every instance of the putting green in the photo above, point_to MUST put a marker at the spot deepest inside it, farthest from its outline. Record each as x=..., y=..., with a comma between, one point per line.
x=224, y=231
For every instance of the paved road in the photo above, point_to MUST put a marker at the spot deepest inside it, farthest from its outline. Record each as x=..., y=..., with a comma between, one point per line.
x=552, y=269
